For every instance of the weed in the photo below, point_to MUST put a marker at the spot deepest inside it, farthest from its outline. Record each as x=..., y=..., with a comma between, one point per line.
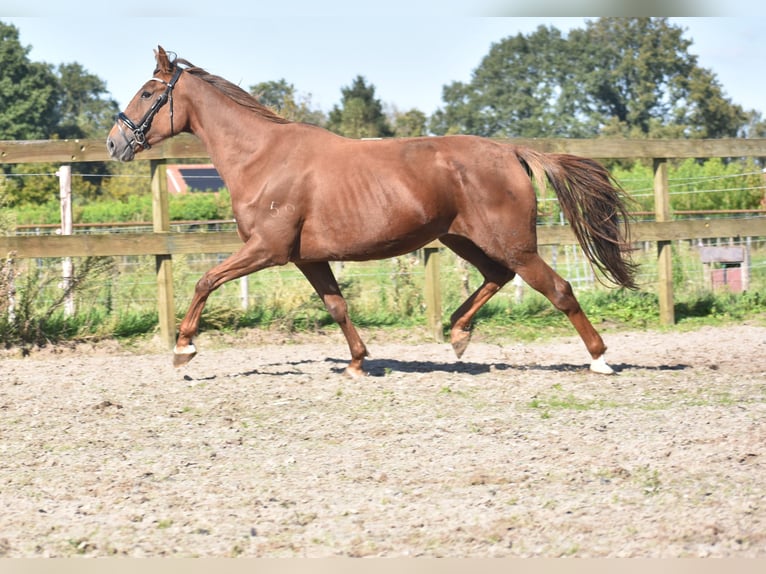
x=648, y=479
x=453, y=392
x=236, y=550
x=81, y=546
x=34, y=308
x=557, y=399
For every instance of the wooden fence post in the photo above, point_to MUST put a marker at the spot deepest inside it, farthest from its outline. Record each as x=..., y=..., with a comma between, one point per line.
x=664, y=248
x=433, y=293
x=161, y=223
x=8, y=283
x=64, y=174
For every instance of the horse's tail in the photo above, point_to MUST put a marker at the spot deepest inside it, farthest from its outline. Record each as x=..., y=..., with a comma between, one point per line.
x=594, y=205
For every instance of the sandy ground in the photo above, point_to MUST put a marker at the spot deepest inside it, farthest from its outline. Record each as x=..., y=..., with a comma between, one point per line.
x=260, y=447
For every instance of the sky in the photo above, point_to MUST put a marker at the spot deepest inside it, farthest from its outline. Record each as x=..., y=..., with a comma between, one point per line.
x=408, y=50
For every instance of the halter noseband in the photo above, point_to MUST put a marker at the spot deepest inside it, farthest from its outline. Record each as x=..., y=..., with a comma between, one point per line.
x=139, y=131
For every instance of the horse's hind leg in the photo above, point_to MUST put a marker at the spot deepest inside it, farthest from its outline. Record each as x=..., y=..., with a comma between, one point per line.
x=322, y=279
x=461, y=319
x=495, y=276
x=542, y=278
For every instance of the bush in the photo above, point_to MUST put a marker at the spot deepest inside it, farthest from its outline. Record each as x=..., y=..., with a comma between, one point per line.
x=32, y=309
x=696, y=186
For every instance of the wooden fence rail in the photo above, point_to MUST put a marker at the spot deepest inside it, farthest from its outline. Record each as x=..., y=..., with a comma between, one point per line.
x=164, y=244
x=178, y=243
x=187, y=146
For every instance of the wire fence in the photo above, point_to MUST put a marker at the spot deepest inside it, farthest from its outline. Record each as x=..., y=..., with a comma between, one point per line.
x=131, y=284
x=131, y=281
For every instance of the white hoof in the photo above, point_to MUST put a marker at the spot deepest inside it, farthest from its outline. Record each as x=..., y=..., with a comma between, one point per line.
x=599, y=366
x=183, y=355
x=189, y=349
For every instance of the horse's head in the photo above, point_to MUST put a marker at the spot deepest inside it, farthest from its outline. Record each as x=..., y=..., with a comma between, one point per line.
x=149, y=117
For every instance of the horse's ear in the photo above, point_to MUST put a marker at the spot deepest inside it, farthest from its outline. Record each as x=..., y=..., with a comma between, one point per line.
x=163, y=62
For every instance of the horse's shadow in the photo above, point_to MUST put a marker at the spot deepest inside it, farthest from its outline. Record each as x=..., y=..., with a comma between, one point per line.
x=385, y=367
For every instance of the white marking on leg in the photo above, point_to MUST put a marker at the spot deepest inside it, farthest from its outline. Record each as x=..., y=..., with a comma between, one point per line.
x=599, y=366
x=189, y=349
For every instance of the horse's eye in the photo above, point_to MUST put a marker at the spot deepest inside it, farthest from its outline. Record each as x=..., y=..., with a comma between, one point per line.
x=146, y=95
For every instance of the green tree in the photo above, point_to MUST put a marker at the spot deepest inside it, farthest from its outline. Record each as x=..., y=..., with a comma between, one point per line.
x=360, y=114
x=282, y=97
x=32, y=183
x=126, y=180
x=410, y=124
x=38, y=101
x=642, y=81
x=85, y=108
x=29, y=97
x=617, y=76
x=709, y=113
x=522, y=88
x=29, y=91
x=85, y=111
x=755, y=125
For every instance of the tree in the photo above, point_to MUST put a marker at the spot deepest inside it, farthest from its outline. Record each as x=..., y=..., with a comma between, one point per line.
x=361, y=114
x=38, y=101
x=709, y=114
x=281, y=97
x=520, y=89
x=618, y=76
x=642, y=78
x=128, y=179
x=755, y=125
x=29, y=91
x=85, y=110
x=410, y=124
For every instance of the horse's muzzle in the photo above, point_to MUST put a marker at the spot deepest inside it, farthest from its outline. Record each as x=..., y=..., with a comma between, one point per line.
x=119, y=147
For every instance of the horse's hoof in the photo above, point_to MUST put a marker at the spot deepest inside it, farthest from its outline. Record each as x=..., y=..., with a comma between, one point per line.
x=355, y=372
x=460, y=340
x=184, y=355
x=599, y=366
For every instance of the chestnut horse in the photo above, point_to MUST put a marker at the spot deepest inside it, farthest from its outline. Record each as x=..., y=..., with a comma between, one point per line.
x=302, y=194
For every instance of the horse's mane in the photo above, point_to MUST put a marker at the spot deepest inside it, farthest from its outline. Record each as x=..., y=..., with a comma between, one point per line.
x=232, y=91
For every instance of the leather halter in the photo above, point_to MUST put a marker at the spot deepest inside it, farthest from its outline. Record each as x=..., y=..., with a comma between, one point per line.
x=139, y=131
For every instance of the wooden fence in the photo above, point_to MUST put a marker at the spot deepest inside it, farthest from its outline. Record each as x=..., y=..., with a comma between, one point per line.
x=163, y=244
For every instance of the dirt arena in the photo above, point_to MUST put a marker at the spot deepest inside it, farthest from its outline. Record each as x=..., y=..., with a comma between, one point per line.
x=260, y=447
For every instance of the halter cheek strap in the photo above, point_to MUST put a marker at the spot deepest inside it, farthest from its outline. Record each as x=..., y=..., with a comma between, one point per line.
x=139, y=131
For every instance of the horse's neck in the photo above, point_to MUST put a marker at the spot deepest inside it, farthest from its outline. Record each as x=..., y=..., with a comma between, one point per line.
x=231, y=134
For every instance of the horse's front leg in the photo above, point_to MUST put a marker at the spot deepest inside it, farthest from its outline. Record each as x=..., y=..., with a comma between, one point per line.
x=252, y=257
x=322, y=279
